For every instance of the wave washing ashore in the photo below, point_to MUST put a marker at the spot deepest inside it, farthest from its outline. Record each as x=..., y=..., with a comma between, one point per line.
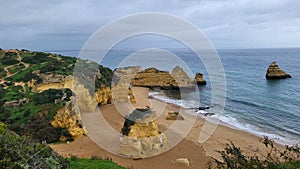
x=226, y=120
x=253, y=104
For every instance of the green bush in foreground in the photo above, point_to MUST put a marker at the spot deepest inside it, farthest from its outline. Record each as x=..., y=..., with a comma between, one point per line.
x=22, y=152
x=233, y=158
x=84, y=163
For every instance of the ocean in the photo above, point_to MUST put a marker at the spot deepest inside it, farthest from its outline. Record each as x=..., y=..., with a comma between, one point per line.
x=253, y=104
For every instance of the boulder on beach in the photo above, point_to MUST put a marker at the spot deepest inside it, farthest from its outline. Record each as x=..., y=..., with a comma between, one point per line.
x=174, y=116
x=185, y=162
x=275, y=72
x=200, y=79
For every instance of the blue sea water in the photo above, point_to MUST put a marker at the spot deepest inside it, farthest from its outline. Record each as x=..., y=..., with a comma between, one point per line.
x=253, y=104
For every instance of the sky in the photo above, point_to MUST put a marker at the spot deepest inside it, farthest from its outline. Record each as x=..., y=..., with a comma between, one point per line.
x=229, y=24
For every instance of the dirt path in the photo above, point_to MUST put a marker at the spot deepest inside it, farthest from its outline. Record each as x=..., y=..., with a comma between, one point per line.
x=8, y=74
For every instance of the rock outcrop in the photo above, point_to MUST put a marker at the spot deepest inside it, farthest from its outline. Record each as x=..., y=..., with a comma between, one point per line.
x=125, y=74
x=199, y=79
x=131, y=96
x=274, y=72
x=174, y=116
x=103, y=96
x=51, y=81
x=16, y=103
x=140, y=137
x=121, y=91
x=66, y=117
x=183, y=162
x=152, y=78
x=182, y=79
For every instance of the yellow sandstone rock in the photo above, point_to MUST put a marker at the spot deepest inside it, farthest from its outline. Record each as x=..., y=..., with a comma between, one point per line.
x=121, y=91
x=140, y=136
x=66, y=117
x=103, y=96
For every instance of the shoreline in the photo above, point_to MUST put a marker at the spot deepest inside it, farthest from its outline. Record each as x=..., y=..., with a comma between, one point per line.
x=277, y=138
x=249, y=141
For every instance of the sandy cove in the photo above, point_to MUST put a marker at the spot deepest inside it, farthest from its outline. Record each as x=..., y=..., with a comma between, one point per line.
x=189, y=147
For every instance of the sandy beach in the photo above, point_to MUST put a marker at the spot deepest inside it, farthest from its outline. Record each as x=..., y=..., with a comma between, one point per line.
x=185, y=132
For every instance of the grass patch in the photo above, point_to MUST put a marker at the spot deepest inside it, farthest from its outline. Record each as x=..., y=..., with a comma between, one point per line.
x=16, y=68
x=20, y=76
x=26, y=54
x=84, y=163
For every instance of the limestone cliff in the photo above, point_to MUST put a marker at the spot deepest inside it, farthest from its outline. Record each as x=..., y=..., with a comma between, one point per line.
x=52, y=81
x=103, y=96
x=181, y=77
x=152, y=77
x=274, y=72
x=66, y=117
x=85, y=103
x=125, y=74
x=121, y=91
x=199, y=79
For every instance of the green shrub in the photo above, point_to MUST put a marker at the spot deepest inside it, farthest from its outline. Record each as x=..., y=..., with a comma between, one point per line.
x=9, y=61
x=39, y=128
x=233, y=158
x=48, y=96
x=37, y=57
x=106, y=77
x=22, y=152
x=16, y=68
x=83, y=163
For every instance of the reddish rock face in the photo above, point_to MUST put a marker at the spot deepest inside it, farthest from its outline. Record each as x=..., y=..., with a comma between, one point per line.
x=274, y=72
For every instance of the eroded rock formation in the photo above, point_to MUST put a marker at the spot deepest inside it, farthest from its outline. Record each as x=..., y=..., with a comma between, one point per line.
x=140, y=136
x=274, y=72
x=121, y=91
x=174, y=116
x=67, y=117
x=52, y=81
x=181, y=77
x=153, y=77
x=103, y=96
x=199, y=79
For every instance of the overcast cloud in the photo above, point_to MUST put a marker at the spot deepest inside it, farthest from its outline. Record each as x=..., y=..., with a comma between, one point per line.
x=63, y=25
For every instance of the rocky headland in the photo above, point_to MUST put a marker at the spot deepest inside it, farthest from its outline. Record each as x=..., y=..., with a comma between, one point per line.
x=154, y=78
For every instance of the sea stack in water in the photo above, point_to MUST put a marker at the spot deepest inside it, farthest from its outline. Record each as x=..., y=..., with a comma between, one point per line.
x=274, y=72
x=199, y=79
